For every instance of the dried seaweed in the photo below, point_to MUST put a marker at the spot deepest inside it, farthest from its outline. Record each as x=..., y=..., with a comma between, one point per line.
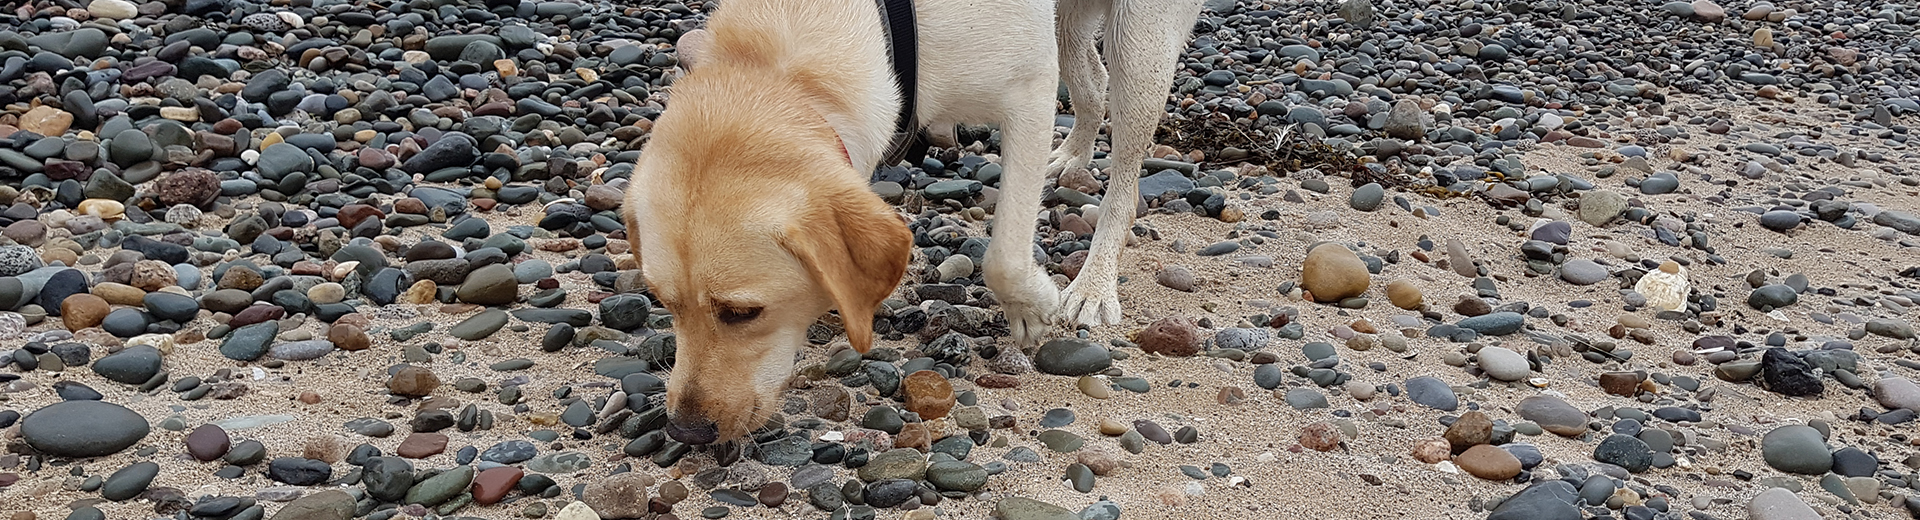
x=1291, y=151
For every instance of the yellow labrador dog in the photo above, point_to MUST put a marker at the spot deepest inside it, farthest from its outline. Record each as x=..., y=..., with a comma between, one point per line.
x=750, y=213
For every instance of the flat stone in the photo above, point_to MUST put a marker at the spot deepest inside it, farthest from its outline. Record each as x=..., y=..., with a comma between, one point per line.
x=479, y=326
x=1624, y=451
x=1071, y=357
x=332, y=504
x=492, y=485
x=1016, y=508
x=441, y=488
x=1554, y=415
x=1494, y=324
x=1433, y=393
x=132, y=366
x=129, y=482
x=1543, y=500
x=78, y=429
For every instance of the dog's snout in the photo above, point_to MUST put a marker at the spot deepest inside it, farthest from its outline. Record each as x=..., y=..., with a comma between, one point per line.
x=693, y=430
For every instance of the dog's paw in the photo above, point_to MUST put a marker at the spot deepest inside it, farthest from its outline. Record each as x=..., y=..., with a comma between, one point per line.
x=1091, y=301
x=1030, y=302
x=1062, y=160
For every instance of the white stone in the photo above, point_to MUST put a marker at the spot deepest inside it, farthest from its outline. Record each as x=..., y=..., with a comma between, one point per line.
x=112, y=9
x=577, y=511
x=1505, y=365
x=955, y=267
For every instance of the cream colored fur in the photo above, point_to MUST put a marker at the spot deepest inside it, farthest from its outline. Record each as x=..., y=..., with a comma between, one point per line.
x=743, y=203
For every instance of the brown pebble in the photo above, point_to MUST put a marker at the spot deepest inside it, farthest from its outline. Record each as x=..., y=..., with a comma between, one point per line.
x=1320, y=436
x=349, y=337
x=1112, y=428
x=997, y=381
x=1175, y=336
x=410, y=205
x=914, y=435
x=1471, y=429
x=1101, y=459
x=1333, y=273
x=1625, y=384
x=773, y=494
x=413, y=382
x=420, y=293
x=352, y=214
x=83, y=310
x=928, y=394
x=1432, y=450
x=208, y=442
x=1231, y=395
x=1404, y=295
x=422, y=445
x=309, y=398
x=1489, y=462
x=673, y=492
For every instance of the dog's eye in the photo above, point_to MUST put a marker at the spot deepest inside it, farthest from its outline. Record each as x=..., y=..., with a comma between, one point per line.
x=732, y=316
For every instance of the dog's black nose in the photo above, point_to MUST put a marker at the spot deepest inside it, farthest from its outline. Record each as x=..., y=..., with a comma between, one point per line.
x=694, y=432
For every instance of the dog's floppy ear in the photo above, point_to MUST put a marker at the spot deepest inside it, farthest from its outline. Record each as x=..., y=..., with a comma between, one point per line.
x=857, y=248
x=692, y=46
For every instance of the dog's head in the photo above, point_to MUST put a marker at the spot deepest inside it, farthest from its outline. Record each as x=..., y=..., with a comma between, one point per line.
x=752, y=225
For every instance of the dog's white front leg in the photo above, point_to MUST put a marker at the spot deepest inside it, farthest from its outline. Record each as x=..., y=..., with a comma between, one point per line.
x=1026, y=294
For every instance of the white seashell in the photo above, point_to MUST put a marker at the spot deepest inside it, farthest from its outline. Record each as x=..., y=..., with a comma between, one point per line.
x=1665, y=288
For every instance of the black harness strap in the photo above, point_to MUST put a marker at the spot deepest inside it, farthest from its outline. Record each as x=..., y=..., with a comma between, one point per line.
x=909, y=142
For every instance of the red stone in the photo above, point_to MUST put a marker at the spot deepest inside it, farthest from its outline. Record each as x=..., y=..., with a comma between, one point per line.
x=997, y=381
x=256, y=314
x=422, y=445
x=208, y=442
x=353, y=214
x=492, y=485
x=306, y=268
x=1175, y=336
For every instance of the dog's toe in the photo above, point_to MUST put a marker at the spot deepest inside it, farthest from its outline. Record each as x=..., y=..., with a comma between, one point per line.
x=1059, y=162
x=1090, y=305
x=1026, y=327
x=1031, y=305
